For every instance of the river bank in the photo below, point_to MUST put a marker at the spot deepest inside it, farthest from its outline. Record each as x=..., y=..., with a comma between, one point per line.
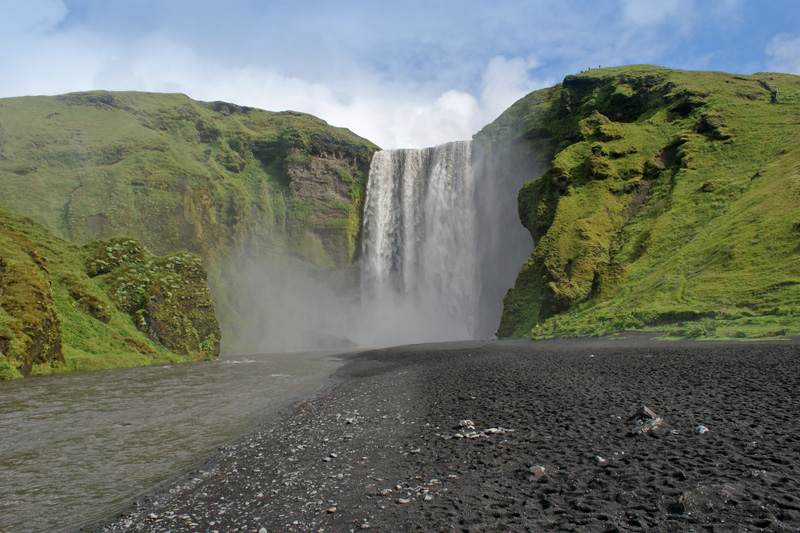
x=516, y=436
x=79, y=447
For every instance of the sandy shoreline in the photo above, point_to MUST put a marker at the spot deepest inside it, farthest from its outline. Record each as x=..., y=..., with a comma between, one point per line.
x=385, y=449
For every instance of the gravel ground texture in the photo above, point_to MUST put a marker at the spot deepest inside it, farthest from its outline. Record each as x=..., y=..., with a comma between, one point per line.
x=624, y=434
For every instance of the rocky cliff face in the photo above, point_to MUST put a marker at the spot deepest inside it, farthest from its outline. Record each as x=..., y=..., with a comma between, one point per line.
x=661, y=202
x=215, y=179
x=109, y=303
x=167, y=297
x=30, y=328
x=179, y=174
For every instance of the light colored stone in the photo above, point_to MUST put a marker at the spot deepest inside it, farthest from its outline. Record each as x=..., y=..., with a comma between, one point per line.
x=537, y=472
x=643, y=412
x=466, y=423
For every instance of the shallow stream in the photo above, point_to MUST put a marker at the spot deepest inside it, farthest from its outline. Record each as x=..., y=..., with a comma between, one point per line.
x=77, y=448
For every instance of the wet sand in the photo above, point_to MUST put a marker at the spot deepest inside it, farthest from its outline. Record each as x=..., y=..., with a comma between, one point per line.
x=516, y=436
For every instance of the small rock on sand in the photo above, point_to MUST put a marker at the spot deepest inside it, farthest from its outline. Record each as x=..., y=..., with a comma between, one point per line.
x=537, y=473
x=643, y=412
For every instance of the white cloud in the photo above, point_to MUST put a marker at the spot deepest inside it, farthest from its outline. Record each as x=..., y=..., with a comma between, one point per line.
x=391, y=114
x=505, y=81
x=391, y=111
x=784, y=52
x=396, y=116
x=387, y=73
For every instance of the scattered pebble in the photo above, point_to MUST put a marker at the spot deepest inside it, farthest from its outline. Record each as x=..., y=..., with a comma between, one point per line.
x=699, y=430
x=647, y=422
x=466, y=424
x=468, y=431
x=537, y=473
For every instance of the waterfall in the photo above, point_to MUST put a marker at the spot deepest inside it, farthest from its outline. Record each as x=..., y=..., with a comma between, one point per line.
x=434, y=247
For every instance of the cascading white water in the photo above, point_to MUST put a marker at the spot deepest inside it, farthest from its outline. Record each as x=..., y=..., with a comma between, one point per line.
x=419, y=263
x=435, y=246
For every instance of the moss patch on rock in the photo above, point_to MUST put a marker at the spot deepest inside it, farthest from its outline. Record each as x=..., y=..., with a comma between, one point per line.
x=669, y=198
x=69, y=307
x=176, y=174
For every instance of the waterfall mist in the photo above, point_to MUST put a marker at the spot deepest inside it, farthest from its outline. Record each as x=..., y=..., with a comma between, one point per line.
x=442, y=243
x=274, y=303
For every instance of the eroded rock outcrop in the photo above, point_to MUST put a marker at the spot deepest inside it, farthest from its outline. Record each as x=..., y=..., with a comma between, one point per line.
x=30, y=327
x=167, y=297
x=107, y=304
x=654, y=206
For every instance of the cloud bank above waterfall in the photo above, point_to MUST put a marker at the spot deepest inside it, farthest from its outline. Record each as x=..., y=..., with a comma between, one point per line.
x=403, y=74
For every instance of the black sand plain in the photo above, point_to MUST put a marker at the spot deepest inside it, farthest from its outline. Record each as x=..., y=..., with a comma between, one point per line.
x=516, y=436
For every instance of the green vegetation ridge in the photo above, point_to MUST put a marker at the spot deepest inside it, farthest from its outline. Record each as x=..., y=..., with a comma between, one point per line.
x=107, y=304
x=176, y=174
x=670, y=201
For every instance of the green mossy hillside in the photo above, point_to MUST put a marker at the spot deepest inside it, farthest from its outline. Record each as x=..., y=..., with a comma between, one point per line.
x=671, y=200
x=179, y=174
x=176, y=174
x=107, y=304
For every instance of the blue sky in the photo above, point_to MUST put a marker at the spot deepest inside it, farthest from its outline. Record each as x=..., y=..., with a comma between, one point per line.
x=403, y=74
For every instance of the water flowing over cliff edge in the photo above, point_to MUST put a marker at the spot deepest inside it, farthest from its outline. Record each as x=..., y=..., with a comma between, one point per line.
x=441, y=244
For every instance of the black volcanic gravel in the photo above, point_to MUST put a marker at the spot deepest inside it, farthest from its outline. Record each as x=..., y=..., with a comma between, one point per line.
x=383, y=451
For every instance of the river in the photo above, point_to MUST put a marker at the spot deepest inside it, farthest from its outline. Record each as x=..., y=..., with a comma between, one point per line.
x=78, y=448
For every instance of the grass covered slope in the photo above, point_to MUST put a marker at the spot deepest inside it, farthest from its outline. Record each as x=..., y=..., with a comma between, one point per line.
x=179, y=174
x=233, y=185
x=107, y=304
x=671, y=199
